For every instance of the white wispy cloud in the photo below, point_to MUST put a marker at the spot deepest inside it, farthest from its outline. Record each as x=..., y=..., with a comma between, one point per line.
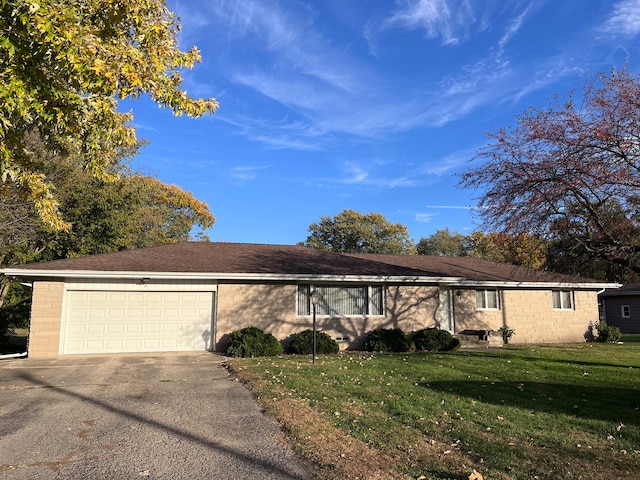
x=448, y=20
x=512, y=28
x=291, y=37
x=446, y=165
x=424, y=217
x=242, y=173
x=355, y=174
x=624, y=20
x=450, y=207
x=327, y=92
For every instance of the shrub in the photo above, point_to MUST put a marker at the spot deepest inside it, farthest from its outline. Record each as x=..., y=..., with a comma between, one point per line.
x=507, y=333
x=387, y=340
x=303, y=343
x=607, y=333
x=253, y=342
x=434, y=340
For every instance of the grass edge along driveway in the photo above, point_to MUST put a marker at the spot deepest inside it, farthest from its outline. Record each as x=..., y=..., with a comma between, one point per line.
x=521, y=412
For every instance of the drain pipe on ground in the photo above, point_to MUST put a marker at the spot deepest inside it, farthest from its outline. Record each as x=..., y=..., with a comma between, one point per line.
x=13, y=355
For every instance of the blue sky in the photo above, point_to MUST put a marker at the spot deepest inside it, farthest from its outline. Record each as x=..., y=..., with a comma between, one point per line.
x=370, y=105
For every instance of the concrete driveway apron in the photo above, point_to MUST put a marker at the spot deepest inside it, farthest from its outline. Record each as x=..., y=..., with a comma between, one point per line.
x=164, y=416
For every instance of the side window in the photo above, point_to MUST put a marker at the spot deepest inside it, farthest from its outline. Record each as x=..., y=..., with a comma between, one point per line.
x=487, y=300
x=625, y=311
x=563, y=300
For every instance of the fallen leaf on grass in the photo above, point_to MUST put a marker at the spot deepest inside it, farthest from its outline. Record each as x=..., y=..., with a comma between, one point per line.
x=476, y=476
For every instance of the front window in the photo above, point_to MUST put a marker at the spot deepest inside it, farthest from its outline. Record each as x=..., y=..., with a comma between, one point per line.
x=487, y=300
x=342, y=300
x=563, y=300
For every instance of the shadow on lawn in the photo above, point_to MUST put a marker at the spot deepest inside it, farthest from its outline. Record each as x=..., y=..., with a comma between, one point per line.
x=615, y=405
x=505, y=354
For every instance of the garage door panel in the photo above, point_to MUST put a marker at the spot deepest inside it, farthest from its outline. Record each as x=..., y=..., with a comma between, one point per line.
x=152, y=328
x=133, y=328
x=96, y=329
x=112, y=322
x=115, y=329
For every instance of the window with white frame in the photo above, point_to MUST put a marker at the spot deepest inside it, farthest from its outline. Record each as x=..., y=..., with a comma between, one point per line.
x=563, y=299
x=625, y=311
x=487, y=300
x=342, y=300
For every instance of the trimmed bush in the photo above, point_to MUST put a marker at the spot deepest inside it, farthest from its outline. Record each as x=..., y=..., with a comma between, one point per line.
x=434, y=340
x=607, y=333
x=387, y=340
x=303, y=343
x=253, y=342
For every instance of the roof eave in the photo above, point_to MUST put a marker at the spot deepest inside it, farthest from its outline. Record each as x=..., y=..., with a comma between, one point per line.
x=512, y=284
x=216, y=276
x=305, y=277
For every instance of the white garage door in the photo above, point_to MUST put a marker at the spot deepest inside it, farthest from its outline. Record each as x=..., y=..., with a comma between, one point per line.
x=114, y=321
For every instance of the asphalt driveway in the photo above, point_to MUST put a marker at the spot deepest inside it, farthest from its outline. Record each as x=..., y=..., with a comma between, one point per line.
x=165, y=416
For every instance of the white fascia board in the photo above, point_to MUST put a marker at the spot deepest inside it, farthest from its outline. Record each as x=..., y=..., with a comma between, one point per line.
x=28, y=273
x=538, y=285
x=459, y=282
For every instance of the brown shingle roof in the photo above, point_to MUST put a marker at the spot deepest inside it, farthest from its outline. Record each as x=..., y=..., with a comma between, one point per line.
x=475, y=269
x=246, y=258
x=205, y=257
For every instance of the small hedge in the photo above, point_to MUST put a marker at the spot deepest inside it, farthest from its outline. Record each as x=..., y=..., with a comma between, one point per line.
x=253, y=342
x=434, y=340
x=607, y=333
x=388, y=340
x=303, y=343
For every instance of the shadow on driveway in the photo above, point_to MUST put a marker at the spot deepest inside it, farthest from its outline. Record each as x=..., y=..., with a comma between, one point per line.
x=115, y=418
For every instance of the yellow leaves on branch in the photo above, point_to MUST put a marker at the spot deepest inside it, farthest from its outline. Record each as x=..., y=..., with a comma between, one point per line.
x=39, y=191
x=178, y=199
x=63, y=66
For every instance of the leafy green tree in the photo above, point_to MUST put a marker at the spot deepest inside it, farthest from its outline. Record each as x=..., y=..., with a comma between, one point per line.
x=128, y=211
x=353, y=232
x=444, y=243
x=63, y=67
x=520, y=249
x=570, y=173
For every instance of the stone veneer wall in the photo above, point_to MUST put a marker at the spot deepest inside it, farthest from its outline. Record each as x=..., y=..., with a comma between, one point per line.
x=531, y=314
x=269, y=307
x=46, y=319
x=272, y=308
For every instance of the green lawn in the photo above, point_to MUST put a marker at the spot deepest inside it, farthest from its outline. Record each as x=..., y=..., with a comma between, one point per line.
x=545, y=412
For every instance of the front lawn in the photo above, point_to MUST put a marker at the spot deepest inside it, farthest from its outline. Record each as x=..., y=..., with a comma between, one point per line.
x=542, y=412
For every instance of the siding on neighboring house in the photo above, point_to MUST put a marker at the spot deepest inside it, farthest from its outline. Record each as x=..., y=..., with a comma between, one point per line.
x=613, y=312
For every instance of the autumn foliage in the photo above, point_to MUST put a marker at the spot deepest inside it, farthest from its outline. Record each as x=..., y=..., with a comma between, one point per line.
x=569, y=173
x=63, y=67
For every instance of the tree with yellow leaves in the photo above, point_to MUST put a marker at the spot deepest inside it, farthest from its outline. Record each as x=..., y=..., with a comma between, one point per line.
x=64, y=64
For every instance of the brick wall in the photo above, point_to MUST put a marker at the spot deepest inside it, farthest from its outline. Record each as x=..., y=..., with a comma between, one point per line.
x=272, y=308
x=46, y=318
x=531, y=314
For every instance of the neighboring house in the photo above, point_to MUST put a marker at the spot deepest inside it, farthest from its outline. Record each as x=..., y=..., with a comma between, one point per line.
x=191, y=296
x=621, y=307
